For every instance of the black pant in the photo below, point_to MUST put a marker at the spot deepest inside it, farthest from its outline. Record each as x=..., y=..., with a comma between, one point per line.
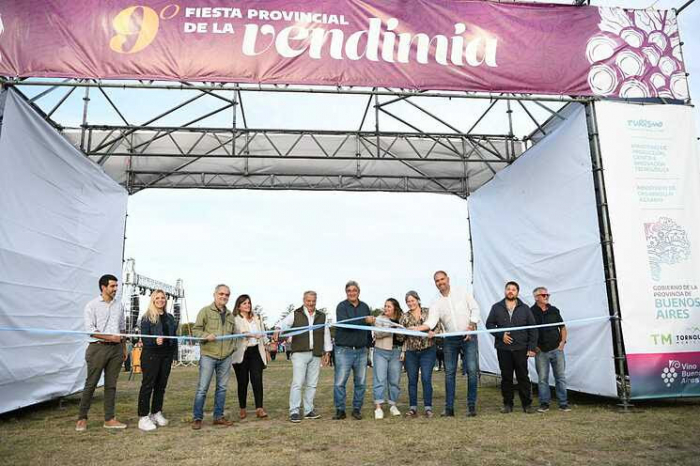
x=509, y=361
x=440, y=359
x=155, y=365
x=250, y=369
x=273, y=355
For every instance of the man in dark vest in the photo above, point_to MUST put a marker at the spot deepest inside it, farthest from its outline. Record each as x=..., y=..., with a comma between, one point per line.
x=310, y=350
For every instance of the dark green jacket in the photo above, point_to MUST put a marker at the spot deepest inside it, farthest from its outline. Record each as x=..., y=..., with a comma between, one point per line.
x=209, y=322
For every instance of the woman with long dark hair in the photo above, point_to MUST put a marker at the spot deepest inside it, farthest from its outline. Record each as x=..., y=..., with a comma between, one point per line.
x=156, y=361
x=251, y=355
x=386, y=364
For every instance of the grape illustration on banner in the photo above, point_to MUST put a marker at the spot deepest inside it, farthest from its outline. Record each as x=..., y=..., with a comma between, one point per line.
x=637, y=55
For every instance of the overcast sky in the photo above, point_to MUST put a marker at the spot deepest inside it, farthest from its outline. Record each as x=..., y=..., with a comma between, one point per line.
x=275, y=245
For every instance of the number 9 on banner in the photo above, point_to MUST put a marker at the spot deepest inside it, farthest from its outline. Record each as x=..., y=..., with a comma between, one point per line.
x=136, y=25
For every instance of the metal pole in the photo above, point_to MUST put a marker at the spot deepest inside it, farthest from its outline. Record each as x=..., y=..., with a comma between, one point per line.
x=509, y=112
x=86, y=100
x=234, y=102
x=607, y=249
x=295, y=90
x=471, y=244
x=126, y=216
x=689, y=101
x=376, y=123
x=685, y=5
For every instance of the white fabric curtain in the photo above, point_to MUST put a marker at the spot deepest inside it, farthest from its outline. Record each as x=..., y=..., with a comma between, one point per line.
x=61, y=227
x=536, y=223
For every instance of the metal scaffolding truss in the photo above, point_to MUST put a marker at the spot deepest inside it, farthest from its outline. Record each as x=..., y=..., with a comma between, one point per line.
x=219, y=136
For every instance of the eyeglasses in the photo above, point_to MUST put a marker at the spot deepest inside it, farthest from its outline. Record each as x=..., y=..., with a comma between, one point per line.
x=544, y=295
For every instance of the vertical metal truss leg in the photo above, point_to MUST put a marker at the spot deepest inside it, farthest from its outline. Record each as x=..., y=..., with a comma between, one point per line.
x=471, y=245
x=86, y=100
x=509, y=112
x=607, y=249
x=376, y=124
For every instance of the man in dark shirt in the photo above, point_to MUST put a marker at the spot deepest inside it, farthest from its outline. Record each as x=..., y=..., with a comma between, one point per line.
x=550, y=350
x=351, y=351
x=513, y=347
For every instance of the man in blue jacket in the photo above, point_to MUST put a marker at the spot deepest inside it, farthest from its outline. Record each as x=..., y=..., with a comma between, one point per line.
x=513, y=347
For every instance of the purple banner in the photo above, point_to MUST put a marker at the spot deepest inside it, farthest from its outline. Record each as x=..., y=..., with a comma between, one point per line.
x=438, y=44
x=665, y=375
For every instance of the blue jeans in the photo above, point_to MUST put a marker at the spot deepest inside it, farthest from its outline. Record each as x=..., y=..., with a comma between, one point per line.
x=386, y=367
x=542, y=362
x=425, y=361
x=347, y=359
x=470, y=350
x=305, y=370
x=207, y=367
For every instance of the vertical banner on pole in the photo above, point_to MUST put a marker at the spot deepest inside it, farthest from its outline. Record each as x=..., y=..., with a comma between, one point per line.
x=650, y=156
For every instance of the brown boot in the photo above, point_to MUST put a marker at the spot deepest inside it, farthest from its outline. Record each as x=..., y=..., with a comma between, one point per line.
x=243, y=414
x=223, y=422
x=260, y=412
x=196, y=424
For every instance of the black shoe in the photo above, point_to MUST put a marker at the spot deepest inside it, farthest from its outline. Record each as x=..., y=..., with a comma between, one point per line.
x=544, y=407
x=507, y=409
x=339, y=415
x=529, y=409
x=448, y=413
x=564, y=408
x=312, y=415
x=472, y=411
x=356, y=414
x=295, y=417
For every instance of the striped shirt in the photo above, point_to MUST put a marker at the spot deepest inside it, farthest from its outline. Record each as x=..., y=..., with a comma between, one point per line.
x=104, y=317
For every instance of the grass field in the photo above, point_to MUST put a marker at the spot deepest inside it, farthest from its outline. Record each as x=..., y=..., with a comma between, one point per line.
x=594, y=433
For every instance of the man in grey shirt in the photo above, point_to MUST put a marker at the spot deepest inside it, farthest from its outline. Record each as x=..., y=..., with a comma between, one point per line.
x=104, y=318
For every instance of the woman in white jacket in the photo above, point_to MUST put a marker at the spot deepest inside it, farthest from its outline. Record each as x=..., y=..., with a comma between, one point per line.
x=251, y=355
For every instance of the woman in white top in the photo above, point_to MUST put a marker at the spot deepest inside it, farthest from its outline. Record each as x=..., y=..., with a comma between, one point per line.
x=251, y=355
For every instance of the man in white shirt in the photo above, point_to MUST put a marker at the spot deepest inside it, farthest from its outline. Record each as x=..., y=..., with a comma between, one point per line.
x=309, y=350
x=458, y=312
x=104, y=318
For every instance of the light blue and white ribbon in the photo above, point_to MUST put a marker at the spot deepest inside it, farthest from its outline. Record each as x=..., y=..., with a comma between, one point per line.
x=299, y=330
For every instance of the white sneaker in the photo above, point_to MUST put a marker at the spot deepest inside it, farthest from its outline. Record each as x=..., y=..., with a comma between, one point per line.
x=379, y=413
x=394, y=411
x=145, y=424
x=159, y=420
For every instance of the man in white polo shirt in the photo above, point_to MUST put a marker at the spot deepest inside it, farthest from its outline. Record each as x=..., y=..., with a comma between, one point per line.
x=458, y=312
x=104, y=318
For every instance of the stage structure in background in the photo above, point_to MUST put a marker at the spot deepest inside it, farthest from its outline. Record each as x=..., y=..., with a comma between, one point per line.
x=136, y=285
x=443, y=112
